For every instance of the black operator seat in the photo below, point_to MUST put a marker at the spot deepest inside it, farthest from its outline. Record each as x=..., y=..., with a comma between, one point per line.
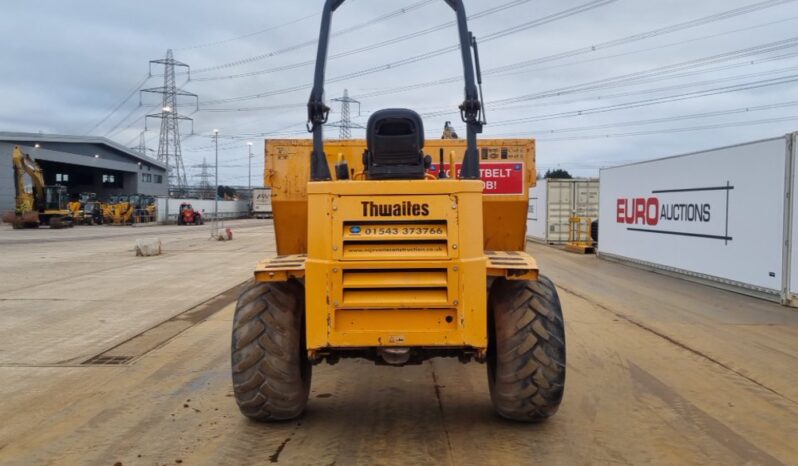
x=395, y=143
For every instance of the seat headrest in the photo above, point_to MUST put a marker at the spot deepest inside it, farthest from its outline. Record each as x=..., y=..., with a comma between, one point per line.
x=399, y=123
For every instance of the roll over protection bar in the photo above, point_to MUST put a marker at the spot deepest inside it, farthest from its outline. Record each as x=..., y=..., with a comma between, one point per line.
x=471, y=110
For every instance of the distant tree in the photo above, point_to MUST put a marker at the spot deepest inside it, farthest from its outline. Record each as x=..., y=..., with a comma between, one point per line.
x=227, y=192
x=558, y=174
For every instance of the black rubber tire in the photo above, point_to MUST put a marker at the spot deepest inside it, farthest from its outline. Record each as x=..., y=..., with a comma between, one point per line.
x=526, y=350
x=271, y=371
x=594, y=230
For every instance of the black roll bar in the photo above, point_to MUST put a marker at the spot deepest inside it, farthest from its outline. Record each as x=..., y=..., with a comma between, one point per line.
x=471, y=110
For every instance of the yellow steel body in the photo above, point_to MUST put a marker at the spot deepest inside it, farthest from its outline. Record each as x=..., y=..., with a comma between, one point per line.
x=287, y=169
x=414, y=278
x=579, y=239
x=122, y=213
x=395, y=287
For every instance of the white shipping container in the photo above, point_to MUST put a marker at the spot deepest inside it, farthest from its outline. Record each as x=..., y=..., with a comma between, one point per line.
x=552, y=202
x=262, y=203
x=716, y=215
x=536, y=217
x=226, y=209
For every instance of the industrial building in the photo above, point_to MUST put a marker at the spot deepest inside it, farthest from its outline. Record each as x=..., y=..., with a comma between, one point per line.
x=82, y=164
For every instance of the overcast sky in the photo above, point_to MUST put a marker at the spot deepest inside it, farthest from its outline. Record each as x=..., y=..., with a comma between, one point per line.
x=597, y=82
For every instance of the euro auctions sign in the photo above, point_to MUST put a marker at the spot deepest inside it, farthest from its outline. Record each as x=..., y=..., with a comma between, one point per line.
x=700, y=212
x=499, y=177
x=718, y=214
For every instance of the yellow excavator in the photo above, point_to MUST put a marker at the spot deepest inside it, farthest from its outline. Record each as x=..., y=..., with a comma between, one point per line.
x=41, y=204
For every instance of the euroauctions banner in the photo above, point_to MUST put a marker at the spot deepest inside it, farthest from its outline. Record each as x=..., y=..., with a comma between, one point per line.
x=697, y=212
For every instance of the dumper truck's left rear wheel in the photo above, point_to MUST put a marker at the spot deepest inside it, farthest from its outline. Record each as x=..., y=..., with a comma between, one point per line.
x=526, y=351
x=271, y=371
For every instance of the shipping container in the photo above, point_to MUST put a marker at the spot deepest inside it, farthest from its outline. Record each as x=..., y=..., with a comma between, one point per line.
x=262, y=203
x=552, y=203
x=168, y=208
x=721, y=216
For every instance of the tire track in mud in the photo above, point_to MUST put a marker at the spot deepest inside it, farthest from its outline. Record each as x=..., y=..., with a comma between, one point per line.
x=699, y=419
x=678, y=343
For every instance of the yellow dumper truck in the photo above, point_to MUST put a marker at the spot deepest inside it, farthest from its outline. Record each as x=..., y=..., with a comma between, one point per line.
x=397, y=250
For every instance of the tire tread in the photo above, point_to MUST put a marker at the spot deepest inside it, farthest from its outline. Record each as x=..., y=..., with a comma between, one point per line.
x=527, y=355
x=271, y=374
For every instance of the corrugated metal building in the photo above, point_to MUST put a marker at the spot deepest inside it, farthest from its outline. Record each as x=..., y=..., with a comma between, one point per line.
x=82, y=164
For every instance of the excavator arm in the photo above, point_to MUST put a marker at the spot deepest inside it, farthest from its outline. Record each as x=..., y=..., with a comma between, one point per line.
x=24, y=165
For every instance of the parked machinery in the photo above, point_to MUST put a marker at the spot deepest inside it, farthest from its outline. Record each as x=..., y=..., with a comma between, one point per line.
x=122, y=211
x=188, y=216
x=86, y=210
x=36, y=203
x=109, y=207
x=145, y=208
x=128, y=209
x=394, y=263
x=93, y=212
x=75, y=207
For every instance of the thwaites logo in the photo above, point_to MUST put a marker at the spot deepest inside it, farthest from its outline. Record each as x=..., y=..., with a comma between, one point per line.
x=401, y=209
x=696, y=212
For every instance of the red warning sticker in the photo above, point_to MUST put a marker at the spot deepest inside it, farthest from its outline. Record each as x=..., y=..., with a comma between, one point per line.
x=499, y=177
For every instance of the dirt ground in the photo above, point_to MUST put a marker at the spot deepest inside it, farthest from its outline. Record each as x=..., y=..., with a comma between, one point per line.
x=660, y=371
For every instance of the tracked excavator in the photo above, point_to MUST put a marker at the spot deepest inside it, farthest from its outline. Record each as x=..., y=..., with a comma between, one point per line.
x=36, y=203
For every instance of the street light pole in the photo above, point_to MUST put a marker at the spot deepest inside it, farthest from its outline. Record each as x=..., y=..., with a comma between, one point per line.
x=215, y=231
x=249, y=177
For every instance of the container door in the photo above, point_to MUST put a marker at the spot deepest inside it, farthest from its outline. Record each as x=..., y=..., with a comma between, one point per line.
x=586, y=198
x=560, y=206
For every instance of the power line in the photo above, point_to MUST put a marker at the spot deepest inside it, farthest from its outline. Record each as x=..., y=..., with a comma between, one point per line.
x=686, y=85
x=593, y=48
x=413, y=35
x=118, y=106
x=749, y=51
x=505, y=73
x=133, y=111
x=656, y=101
x=612, y=43
x=691, y=116
x=113, y=131
x=425, y=56
x=639, y=77
x=370, y=22
x=675, y=130
x=248, y=35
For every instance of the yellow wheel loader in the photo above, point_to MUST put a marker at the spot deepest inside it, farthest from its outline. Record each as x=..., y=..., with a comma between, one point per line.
x=398, y=259
x=123, y=209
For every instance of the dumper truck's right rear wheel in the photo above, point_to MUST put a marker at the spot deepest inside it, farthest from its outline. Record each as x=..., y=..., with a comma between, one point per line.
x=271, y=371
x=526, y=351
